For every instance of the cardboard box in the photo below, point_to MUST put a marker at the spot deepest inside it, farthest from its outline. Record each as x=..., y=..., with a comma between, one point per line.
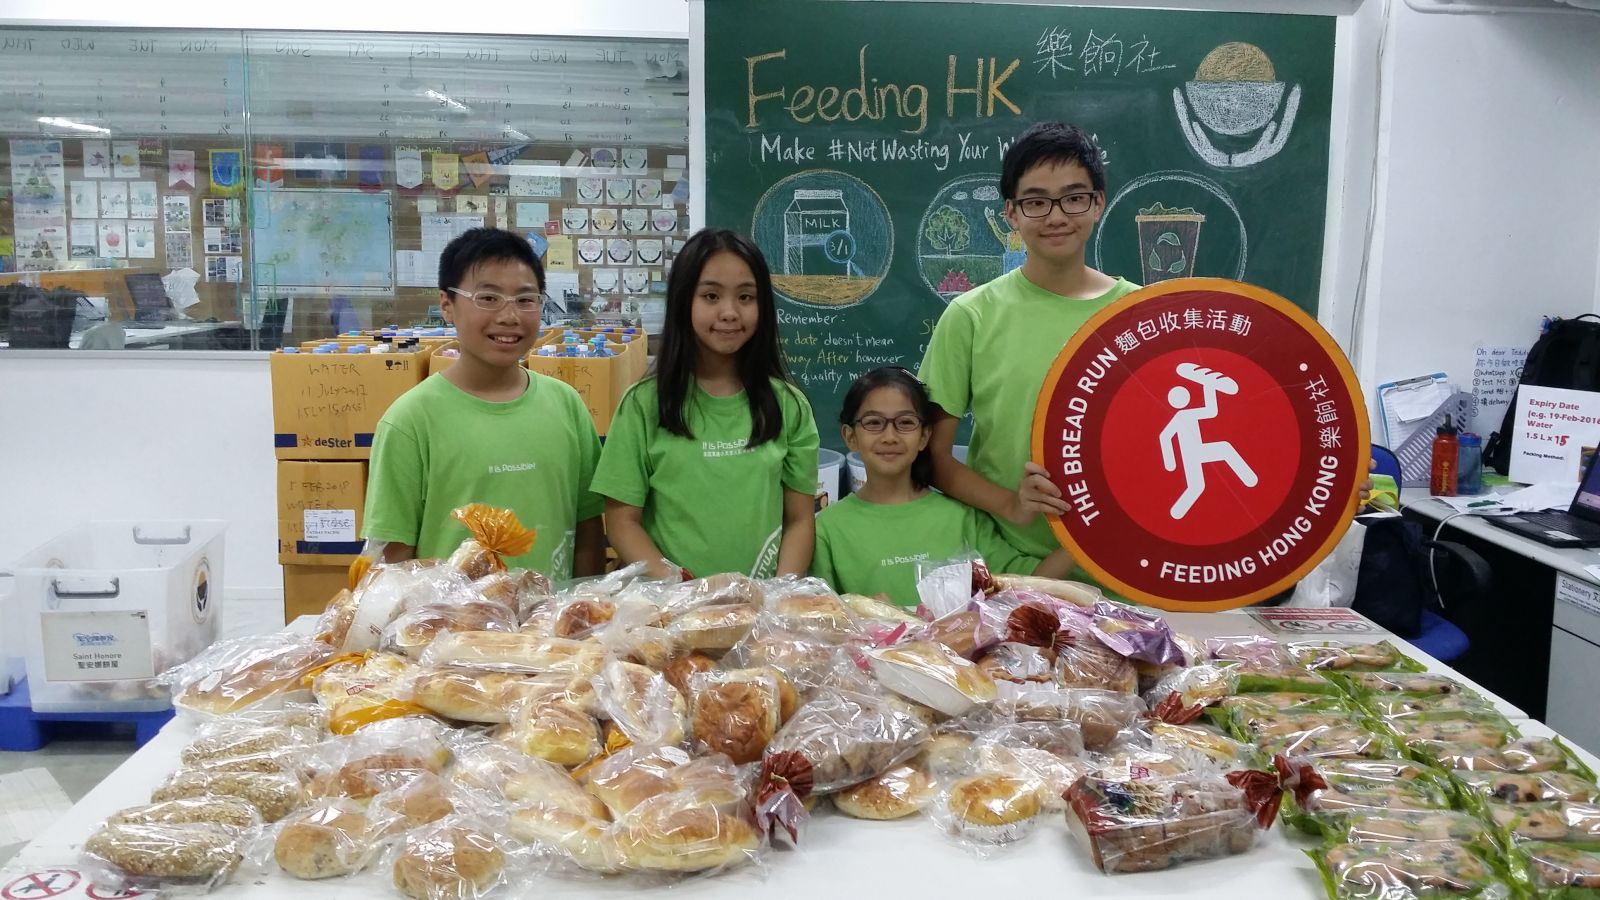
x=437, y=363
x=600, y=381
x=307, y=589
x=320, y=509
x=327, y=406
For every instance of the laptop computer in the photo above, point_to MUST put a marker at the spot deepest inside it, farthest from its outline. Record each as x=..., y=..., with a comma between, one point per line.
x=152, y=307
x=1579, y=526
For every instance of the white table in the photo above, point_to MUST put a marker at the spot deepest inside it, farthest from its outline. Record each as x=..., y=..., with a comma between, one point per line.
x=838, y=855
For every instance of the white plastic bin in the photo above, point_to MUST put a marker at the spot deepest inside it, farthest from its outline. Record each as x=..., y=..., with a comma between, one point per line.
x=829, y=465
x=108, y=605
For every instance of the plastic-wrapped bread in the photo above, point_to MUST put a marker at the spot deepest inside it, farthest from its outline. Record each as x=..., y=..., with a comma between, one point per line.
x=642, y=704
x=849, y=738
x=231, y=812
x=687, y=830
x=147, y=857
x=552, y=731
x=1430, y=870
x=726, y=589
x=466, y=696
x=927, y=673
x=414, y=630
x=233, y=675
x=452, y=859
x=1145, y=825
x=902, y=791
x=328, y=840
x=713, y=629
x=514, y=652
x=273, y=795
x=735, y=713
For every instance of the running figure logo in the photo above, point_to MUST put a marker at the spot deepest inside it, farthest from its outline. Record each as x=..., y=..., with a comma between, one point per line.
x=1183, y=435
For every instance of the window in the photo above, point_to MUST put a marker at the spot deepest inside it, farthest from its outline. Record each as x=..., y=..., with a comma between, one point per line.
x=243, y=190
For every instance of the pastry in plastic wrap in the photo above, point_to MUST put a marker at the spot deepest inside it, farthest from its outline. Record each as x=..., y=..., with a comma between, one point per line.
x=1201, y=685
x=552, y=731
x=1406, y=682
x=426, y=798
x=585, y=840
x=465, y=696
x=1399, y=705
x=902, y=791
x=413, y=630
x=811, y=608
x=1490, y=730
x=1568, y=823
x=515, y=590
x=496, y=534
x=226, y=739
x=713, y=629
x=1432, y=870
x=681, y=832
x=1380, y=656
x=1562, y=868
x=636, y=774
x=516, y=652
x=641, y=703
x=357, y=693
x=1402, y=827
x=231, y=812
x=927, y=673
x=872, y=609
x=1205, y=746
x=328, y=840
x=582, y=616
x=365, y=777
x=333, y=626
x=1100, y=715
x=849, y=738
x=1511, y=787
x=1083, y=662
x=273, y=795
x=152, y=856
x=726, y=589
x=1018, y=663
x=806, y=661
x=735, y=713
x=490, y=768
x=449, y=860
x=1074, y=592
x=232, y=675
x=1152, y=824
x=680, y=669
x=990, y=808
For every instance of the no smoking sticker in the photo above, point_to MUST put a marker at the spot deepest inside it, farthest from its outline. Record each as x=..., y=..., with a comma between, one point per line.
x=1210, y=439
x=40, y=885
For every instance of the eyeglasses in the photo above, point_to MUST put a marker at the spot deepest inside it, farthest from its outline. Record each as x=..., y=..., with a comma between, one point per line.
x=1071, y=204
x=905, y=424
x=494, y=301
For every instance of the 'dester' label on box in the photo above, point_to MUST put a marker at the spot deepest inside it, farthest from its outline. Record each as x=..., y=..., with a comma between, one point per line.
x=1210, y=439
x=100, y=645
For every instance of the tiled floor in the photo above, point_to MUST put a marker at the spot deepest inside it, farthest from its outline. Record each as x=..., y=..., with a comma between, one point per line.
x=79, y=761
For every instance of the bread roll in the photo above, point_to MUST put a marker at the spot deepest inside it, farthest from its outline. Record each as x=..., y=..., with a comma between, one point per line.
x=324, y=842
x=823, y=615
x=472, y=696
x=634, y=775
x=450, y=862
x=735, y=713
x=580, y=617
x=993, y=809
x=368, y=776
x=714, y=629
x=414, y=630
x=897, y=793
x=925, y=672
x=668, y=836
x=585, y=840
x=427, y=799
x=725, y=589
x=681, y=669
x=880, y=610
x=552, y=732
x=641, y=703
x=515, y=652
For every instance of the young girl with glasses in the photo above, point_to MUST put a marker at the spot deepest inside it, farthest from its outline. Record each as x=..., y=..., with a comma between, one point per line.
x=870, y=542
x=712, y=463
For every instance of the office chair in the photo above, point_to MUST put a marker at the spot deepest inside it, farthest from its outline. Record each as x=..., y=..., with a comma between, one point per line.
x=1445, y=574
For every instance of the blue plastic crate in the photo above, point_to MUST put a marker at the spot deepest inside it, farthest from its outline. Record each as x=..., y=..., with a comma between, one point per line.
x=22, y=729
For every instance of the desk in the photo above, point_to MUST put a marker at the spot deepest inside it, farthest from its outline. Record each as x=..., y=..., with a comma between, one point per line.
x=1512, y=639
x=177, y=335
x=837, y=856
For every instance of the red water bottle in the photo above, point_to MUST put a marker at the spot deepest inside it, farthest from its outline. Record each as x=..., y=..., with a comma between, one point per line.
x=1446, y=452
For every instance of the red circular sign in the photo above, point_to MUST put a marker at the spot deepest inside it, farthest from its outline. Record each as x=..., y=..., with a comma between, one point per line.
x=1211, y=440
x=40, y=885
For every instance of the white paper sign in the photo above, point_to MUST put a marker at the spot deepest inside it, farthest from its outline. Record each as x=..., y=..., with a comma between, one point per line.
x=1495, y=374
x=99, y=645
x=1581, y=594
x=1552, y=428
x=330, y=525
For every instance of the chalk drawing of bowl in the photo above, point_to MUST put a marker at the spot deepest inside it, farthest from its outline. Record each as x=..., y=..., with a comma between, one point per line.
x=1234, y=107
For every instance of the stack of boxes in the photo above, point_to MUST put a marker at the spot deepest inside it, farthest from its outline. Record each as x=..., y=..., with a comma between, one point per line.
x=327, y=399
x=600, y=380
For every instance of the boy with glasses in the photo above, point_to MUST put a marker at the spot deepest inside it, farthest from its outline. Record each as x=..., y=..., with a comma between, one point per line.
x=994, y=345
x=487, y=430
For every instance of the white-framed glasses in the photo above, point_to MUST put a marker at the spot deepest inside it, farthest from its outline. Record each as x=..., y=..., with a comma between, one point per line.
x=494, y=301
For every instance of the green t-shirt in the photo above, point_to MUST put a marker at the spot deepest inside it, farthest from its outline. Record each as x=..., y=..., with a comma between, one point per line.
x=710, y=503
x=990, y=353
x=872, y=548
x=439, y=448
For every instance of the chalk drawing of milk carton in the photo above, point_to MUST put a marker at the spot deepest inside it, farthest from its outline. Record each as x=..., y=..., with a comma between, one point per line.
x=811, y=217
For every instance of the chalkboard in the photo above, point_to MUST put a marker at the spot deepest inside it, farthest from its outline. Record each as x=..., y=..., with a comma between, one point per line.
x=860, y=144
